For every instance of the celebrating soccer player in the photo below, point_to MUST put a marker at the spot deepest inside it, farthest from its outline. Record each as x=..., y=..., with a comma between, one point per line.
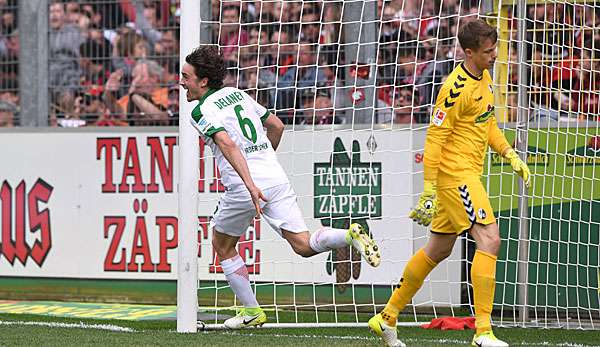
x=454, y=199
x=243, y=137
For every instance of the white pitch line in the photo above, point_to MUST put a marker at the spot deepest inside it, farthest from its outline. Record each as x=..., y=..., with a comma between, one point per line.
x=116, y=328
x=333, y=337
x=80, y=325
x=372, y=338
x=544, y=343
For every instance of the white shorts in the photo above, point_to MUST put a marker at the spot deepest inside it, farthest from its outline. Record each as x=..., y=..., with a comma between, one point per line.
x=235, y=211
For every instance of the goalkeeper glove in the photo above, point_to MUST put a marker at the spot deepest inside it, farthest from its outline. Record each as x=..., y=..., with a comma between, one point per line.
x=427, y=207
x=519, y=166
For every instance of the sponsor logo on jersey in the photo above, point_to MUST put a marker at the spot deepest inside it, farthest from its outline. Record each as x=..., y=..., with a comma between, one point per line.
x=438, y=117
x=204, y=125
x=482, y=118
x=256, y=148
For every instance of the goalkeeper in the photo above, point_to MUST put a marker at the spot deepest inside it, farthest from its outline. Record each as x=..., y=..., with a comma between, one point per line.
x=454, y=199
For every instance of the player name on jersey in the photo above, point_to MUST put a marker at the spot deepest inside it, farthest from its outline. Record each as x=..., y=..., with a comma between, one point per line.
x=229, y=100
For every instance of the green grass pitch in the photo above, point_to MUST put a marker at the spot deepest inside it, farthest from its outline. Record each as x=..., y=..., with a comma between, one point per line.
x=28, y=330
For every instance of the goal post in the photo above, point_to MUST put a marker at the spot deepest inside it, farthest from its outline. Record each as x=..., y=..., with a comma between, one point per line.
x=356, y=104
x=187, y=261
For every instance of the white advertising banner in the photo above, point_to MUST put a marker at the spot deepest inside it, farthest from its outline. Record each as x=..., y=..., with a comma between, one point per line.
x=97, y=204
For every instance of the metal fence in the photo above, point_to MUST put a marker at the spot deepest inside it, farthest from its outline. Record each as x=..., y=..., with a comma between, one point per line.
x=116, y=62
x=9, y=64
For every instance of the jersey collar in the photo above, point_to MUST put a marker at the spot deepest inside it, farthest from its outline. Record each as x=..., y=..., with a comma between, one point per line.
x=196, y=113
x=462, y=65
x=206, y=95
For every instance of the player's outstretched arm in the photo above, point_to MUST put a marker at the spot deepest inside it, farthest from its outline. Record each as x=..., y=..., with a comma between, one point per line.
x=275, y=129
x=426, y=207
x=498, y=143
x=233, y=155
x=519, y=166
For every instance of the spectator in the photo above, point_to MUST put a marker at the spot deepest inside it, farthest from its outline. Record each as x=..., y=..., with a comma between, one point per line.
x=64, y=42
x=249, y=81
x=310, y=26
x=150, y=13
x=306, y=74
x=8, y=21
x=9, y=91
x=250, y=11
x=317, y=108
x=215, y=9
x=173, y=104
x=167, y=52
x=66, y=111
x=332, y=16
x=94, y=62
x=429, y=79
x=232, y=74
x=256, y=35
x=290, y=11
x=7, y=114
x=72, y=12
x=146, y=102
x=148, y=22
x=231, y=35
x=128, y=49
x=408, y=13
x=270, y=11
x=9, y=57
x=389, y=23
x=586, y=87
x=90, y=11
x=403, y=107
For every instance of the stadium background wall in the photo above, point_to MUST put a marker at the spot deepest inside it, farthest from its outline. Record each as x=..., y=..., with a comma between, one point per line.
x=75, y=229
x=73, y=225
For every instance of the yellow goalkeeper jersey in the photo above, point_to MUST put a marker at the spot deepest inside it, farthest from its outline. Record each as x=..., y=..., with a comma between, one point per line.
x=461, y=128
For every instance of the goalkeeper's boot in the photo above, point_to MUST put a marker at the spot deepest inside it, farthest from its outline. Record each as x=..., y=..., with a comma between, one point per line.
x=254, y=317
x=388, y=334
x=487, y=339
x=359, y=239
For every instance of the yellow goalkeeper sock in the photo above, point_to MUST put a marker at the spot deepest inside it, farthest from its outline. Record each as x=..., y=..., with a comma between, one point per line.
x=483, y=275
x=418, y=267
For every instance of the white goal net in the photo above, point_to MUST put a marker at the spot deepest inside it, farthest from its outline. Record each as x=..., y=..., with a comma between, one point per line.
x=354, y=82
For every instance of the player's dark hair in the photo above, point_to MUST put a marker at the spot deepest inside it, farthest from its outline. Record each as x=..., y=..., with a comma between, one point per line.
x=209, y=63
x=474, y=33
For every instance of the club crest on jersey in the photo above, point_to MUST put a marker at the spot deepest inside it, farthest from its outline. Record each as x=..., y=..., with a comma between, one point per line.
x=438, y=117
x=481, y=213
x=482, y=118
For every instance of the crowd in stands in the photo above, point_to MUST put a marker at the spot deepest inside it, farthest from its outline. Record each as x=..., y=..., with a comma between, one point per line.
x=116, y=62
x=110, y=63
x=565, y=67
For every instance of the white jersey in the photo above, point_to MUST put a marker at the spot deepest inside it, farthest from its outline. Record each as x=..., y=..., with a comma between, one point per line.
x=232, y=110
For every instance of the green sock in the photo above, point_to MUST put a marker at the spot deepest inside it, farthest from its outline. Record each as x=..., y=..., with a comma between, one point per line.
x=253, y=311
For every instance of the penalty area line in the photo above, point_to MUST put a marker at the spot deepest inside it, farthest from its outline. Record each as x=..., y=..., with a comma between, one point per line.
x=80, y=325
